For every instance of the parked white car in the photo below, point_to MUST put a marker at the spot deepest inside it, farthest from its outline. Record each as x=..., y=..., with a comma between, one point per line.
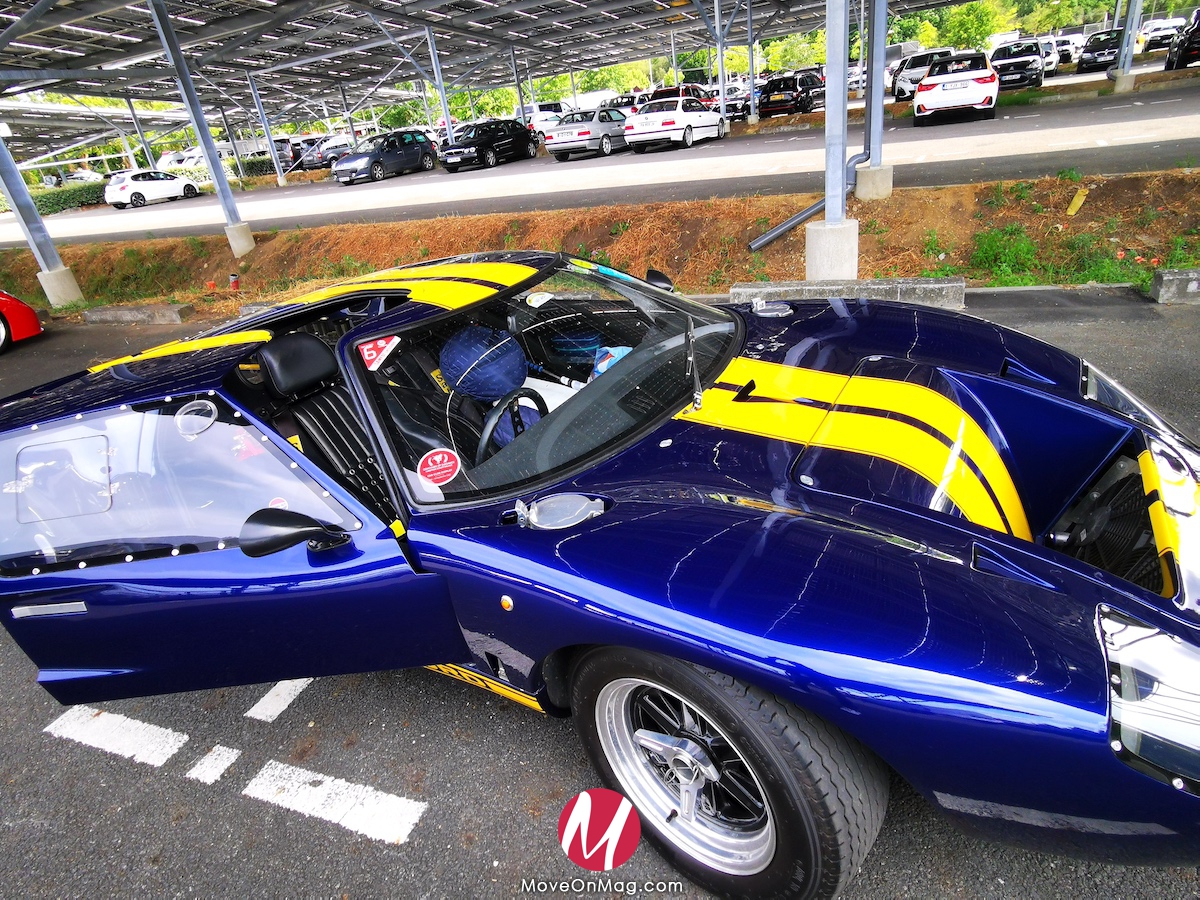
x=964, y=81
x=913, y=68
x=1069, y=47
x=540, y=116
x=672, y=120
x=1049, y=56
x=137, y=187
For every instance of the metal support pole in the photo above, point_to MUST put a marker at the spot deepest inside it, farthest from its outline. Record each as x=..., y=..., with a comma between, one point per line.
x=753, y=112
x=237, y=155
x=512, y=53
x=57, y=281
x=1133, y=21
x=574, y=93
x=720, y=56
x=674, y=60
x=266, y=124
x=349, y=118
x=128, y=152
x=166, y=33
x=441, y=84
x=471, y=103
x=1117, y=14
x=425, y=103
x=876, y=62
x=836, y=36
x=137, y=125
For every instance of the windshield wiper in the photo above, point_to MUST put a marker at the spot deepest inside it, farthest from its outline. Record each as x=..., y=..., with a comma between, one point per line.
x=692, y=368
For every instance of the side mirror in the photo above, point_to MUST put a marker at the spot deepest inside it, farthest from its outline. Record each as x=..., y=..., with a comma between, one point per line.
x=659, y=279
x=269, y=530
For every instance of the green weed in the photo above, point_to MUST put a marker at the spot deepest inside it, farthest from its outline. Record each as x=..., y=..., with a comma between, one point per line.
x=1008, y=254
x=872, y=226
x=619, y=228
x=757, y=268
x=996, y=200
x=1021, y=190
x=1071, y=174
x=934, y=248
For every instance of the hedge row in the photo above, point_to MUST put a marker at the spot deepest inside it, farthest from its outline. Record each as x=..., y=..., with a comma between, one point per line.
x=72, y=196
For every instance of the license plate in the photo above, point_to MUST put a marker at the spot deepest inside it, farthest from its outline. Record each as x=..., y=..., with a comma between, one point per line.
x=1009, y=77
x=452, y=159
x=343, y=178
x=954, y=85
x=777, y=96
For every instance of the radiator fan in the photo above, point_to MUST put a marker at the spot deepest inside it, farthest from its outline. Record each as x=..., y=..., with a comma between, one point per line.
x=1111, y=530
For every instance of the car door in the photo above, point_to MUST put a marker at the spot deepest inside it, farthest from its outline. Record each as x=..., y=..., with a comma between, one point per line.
x=126, y=566
x=391, y=154
x=614, y=126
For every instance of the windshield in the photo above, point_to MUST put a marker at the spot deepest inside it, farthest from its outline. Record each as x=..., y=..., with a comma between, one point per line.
x=659, y=106
x=1105, y=40
x=505, y=393
x=576, y=118
x=1012, y=51
x=372, y=143
x=956, y=65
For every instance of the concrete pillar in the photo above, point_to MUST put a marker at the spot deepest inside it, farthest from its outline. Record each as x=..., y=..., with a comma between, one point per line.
x=873, y=182
x=60, y=286
x=1123, y=84
x=831, y=250
x=241, y=240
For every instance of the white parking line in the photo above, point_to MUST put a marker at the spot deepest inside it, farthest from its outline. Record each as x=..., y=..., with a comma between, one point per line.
x=139, y=741
x=1029, y=116
x=1119, y=106
x=1172, y=100
x=277, y=699
x=1138, y=137
x=362, y=809
x=213, y=764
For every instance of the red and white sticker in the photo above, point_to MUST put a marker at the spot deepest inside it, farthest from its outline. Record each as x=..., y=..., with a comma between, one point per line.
x=375, y=352
x=439, y=466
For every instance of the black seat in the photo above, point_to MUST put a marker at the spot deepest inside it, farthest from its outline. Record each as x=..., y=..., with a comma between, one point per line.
x=301, y=370
x=428, y=416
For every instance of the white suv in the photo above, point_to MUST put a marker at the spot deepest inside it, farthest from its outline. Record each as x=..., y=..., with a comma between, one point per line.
x=540, y=116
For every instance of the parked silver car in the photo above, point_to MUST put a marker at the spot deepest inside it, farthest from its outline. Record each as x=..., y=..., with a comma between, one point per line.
x=599, y=131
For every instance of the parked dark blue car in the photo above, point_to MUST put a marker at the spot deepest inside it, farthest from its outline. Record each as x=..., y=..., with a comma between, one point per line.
x=765, y=554
x=386, y=154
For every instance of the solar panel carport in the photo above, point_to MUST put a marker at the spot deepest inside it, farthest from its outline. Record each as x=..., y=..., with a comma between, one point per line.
x=279, y=60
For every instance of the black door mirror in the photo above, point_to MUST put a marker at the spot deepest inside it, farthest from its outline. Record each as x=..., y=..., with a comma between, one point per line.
x=268, y=531
x=659, y=279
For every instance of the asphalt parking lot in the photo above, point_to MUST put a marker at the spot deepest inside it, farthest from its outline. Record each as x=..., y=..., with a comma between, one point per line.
x=473, y=784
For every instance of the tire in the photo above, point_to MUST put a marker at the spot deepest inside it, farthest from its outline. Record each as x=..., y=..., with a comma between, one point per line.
x=1040, y=81
x=190, y=191
x=118, y=206
x=606, y=146
x=806, y=105
x=427, y=162
x=920, y=121
x=688, y=138
x=562, y=157
x=490, y=159
x=989, y=113
x=796, y=805
x=531, y=150
x=377, y=171
x=451, y=169
x=721, y=130
x=137, y=200
x=638, y=148
x=5, y=335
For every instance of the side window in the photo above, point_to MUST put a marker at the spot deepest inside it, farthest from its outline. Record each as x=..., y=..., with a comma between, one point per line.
x=616, y=116
x=160, y=479
x=420, y=138
x=408, y=138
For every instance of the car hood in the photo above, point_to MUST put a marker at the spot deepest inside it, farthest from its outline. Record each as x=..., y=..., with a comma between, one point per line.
x=883, y=419
x=353, y=160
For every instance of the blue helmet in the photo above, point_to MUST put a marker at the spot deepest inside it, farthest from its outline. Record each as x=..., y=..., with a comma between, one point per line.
x=484, y=363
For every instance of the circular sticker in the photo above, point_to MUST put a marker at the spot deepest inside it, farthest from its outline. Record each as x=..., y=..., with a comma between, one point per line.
x=599, y=830
x=439, y=466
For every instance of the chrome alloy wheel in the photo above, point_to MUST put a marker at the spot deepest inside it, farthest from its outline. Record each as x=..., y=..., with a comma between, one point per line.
x=680, y=769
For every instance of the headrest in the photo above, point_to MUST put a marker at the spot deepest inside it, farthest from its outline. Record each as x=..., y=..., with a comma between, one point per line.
x=295, y=363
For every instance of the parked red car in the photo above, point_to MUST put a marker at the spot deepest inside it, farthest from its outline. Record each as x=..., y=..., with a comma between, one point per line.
x=17, y=321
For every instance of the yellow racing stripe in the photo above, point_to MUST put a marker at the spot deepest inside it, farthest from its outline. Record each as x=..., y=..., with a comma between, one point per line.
x=488, y=684
x=777, y=408
x=174, y=347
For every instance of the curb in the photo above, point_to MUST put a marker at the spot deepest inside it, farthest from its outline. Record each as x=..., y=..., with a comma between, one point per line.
x=944, y=293
x=153, y=314
x=1064, y=98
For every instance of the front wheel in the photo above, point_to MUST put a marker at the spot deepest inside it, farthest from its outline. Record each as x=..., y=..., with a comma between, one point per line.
x=721, y=130
x=490, y=159
x=606, y=146
x=746, y=794
x=5, y=335
x=688, y=139
x=190, y=191
x=450, y=169
x=377, y=171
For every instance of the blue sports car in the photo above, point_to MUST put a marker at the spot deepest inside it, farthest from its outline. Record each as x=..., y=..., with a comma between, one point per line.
x=766, y=555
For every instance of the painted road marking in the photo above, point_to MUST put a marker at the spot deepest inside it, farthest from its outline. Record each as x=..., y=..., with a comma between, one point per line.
x=277, y=699
x=213, y=764
x=362, y=809
x=1119, y=106
x=1172, y=100
x=139, y=741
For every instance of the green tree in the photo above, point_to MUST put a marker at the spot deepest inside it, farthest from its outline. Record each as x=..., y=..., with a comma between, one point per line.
x=927, y=34
x=796, y=50
x=970, y=25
